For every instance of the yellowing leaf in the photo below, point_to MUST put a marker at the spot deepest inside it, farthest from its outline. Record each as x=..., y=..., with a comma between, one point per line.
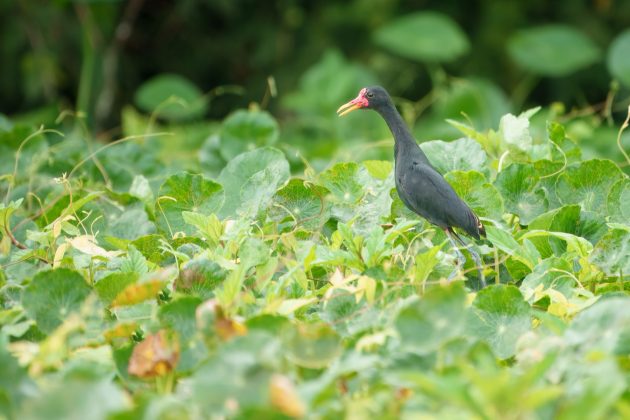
x=157, y=355
x=139, y=292
x=87, y=245
x=284, y=397
x=123, y=330
x=288, y=306
x=211, y=316
x=366, y=285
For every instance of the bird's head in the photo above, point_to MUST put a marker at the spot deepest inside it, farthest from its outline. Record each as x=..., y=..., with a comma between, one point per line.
x=373, y=97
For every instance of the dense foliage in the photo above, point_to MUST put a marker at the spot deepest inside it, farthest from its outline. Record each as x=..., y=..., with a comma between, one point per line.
x=223, y=261
x=130, y=286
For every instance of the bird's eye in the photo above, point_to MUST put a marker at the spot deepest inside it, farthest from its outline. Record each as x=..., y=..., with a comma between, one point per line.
x=370, y=95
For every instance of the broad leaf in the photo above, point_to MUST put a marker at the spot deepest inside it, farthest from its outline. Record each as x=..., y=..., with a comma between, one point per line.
x=439, y=316
x=552, y=50
x=424, y=36
x=518, y=185
x=172, y=97
x=301, y=203
x=588, y=184
x=243, y=131
x=619, y=57
x=618, y=202
x=53, y=295
x=612, y=252
x=186, y=192
x=252, y=179
x=480, y=195
x=500, y=316
x=464, y=154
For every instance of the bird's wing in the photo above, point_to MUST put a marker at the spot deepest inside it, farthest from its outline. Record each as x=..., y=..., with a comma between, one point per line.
x=428, y=194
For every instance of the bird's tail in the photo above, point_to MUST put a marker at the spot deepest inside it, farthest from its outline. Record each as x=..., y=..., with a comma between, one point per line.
x=480, y=226
x=473, y=225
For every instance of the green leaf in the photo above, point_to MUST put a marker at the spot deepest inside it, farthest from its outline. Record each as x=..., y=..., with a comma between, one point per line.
x=171, y=97
x=109, y=287
x=576, y=245
x=502, y=240
x=618, y=202
x=243, y=131
x=14, y=381
x=424, y=36
x=186, y=192
x=53, y=295
x=379, y=169
x=480, y=195
x=553, y=273
x=464, y=154
x=313, y=346
x=77, y=397
x=342, y=182
x=253, y=252
x=301, y=202
x=426, y=324
x=5, y=213
x=180, y=315
x=604, y=326
x=500, y=316
x=514, y=132
x=342, y=79
x=552, y=50
x=612, y=252
x=619, y=57
x=141, y=189
x=563, y=219
x=151, y=247
x=135, y=262
x=210, y=227
x=479, y=101
x=424, y=264
x=518, y=185
x=588, y=184
x=252, y=179
x=200, y=276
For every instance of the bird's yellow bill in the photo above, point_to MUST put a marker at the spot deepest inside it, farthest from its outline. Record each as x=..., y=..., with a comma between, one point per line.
x=348, y=108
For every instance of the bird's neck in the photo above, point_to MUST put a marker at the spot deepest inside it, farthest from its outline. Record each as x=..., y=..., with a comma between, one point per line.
x=403, y=140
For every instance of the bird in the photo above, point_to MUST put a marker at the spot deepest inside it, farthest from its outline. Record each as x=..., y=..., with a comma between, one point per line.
x=419, y=185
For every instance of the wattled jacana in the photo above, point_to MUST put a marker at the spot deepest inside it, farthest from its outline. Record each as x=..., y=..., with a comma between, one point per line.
x=422, y=188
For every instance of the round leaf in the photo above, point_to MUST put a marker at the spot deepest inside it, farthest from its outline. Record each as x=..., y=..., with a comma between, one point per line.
x=551, y=274
x=500, y=316
x=428, y=323
x=619, y=201
x=619, y=57
x=424, y=36
x=172, y=97
x=342, y=182
x=612, y=252
x=246, y=130
x=302, y=203
x=463, y=154
x=252, y=178
x=518, y=184
x=186, y=192
x=311, y=345
x=53, y=295
x=481, y=196
x=552, y=50
x=588, y=184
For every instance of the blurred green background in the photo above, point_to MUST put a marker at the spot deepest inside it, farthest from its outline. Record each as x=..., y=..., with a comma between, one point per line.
x=131, y=66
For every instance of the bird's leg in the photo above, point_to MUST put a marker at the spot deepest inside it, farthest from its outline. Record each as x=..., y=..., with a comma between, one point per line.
x=475, y=258
x=461, y=259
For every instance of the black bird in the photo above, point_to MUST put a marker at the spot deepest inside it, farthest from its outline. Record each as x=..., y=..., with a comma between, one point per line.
x=420, y=186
